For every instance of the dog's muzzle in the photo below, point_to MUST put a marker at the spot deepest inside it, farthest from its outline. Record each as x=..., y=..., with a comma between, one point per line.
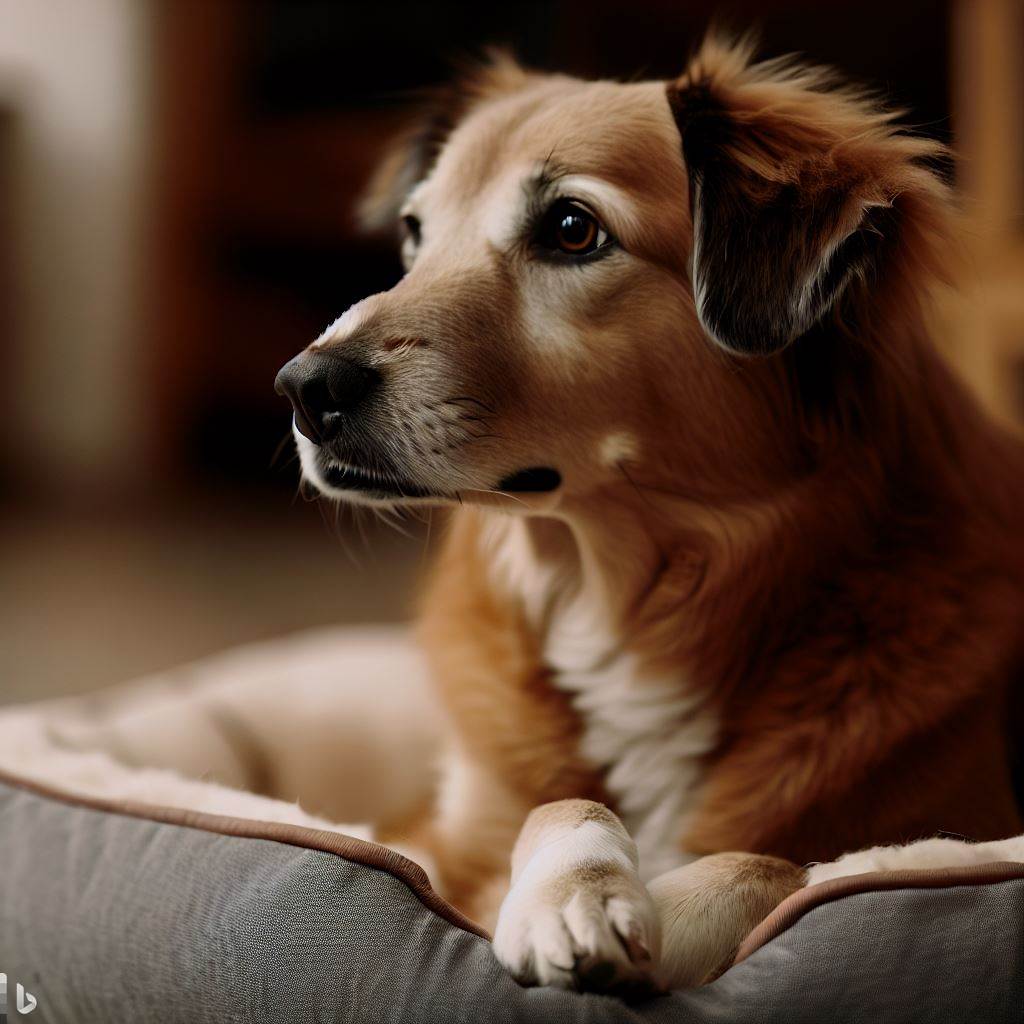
x=340, y=407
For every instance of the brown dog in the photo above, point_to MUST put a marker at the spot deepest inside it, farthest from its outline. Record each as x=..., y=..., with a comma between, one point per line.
x=737, y=558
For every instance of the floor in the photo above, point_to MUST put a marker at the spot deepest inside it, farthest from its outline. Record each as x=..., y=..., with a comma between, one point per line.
x=88, y=599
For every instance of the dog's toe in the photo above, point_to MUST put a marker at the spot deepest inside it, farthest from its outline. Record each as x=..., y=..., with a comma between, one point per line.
x=580, y=936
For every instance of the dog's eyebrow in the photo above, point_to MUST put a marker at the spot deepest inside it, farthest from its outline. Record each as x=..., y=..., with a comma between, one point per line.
x=548, y=174
x=544, y=179
x=612, y=202
x=550, y=180
x=543, y=185
x=536, y=188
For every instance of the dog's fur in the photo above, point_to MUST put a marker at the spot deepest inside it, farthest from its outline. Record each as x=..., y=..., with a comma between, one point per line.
x=775, y=605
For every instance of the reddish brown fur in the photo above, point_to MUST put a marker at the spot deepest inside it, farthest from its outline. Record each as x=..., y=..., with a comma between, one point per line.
x=509, y=718
x=860, y=637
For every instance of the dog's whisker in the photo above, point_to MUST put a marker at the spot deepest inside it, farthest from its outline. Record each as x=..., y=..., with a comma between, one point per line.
x=645, y=490
x=358, y=518
x=460, y=399
x=331, y=525
x=389, y=517
x=279, y=451
x=489, y=490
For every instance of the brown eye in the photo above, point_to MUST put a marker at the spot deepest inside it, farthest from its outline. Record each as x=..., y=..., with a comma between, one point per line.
x=576, y=231
x=570, y=228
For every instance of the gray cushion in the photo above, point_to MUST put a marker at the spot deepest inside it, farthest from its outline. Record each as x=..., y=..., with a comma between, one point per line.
x=108, y=917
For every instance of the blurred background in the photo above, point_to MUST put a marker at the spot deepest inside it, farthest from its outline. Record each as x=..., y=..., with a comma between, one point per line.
x=176, y=183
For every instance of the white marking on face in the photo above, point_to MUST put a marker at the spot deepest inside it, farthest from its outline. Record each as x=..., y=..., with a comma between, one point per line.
x=346, y=325
x=307, y=460
x=501, y=209
x=553, y=298
x=618, y=446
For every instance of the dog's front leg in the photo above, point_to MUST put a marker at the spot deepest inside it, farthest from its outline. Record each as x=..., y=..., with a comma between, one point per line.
x=577, y=915
x=708, y=907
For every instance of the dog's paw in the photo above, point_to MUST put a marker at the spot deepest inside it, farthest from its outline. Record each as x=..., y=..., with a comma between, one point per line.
x=592, y=927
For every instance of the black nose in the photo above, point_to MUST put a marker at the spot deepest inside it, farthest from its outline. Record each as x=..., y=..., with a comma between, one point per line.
x=321, y=387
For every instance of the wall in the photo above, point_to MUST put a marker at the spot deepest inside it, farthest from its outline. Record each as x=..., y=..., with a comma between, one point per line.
x=76, y=75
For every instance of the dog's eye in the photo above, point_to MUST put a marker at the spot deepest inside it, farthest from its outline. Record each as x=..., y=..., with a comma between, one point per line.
x=570, y=228
x=412, y=228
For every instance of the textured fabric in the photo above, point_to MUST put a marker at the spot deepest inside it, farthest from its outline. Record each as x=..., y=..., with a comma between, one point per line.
x=790, y=910
x=108, y=918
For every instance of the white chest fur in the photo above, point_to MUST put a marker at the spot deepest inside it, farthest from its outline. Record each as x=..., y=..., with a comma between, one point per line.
x=649, y=735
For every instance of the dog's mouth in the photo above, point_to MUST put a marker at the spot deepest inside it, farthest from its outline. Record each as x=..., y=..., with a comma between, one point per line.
x=335, y=476
x=538, y=480
x=346, y=477
x=372, y=480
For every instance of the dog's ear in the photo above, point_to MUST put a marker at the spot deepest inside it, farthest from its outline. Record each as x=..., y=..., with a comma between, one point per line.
x=411, y=154
x=794, y=188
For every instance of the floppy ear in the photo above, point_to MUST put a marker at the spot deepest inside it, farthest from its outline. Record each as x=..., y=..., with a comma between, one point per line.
x=792, y=189
x=410, y=156
x=407, y=160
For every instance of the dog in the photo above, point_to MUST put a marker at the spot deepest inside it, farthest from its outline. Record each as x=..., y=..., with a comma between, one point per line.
x=734, y=576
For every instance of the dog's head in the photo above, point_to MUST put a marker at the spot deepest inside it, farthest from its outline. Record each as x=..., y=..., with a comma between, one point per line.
x=608, y=280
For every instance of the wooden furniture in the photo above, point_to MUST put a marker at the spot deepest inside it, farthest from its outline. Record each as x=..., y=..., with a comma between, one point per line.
x=986, y=335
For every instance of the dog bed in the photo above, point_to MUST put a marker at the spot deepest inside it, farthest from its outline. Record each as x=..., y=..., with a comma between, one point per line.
x=117, y=909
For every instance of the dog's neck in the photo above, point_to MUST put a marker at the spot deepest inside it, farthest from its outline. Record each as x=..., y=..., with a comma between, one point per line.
x=688, y=581
x=629, y=571
x=682, y=584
